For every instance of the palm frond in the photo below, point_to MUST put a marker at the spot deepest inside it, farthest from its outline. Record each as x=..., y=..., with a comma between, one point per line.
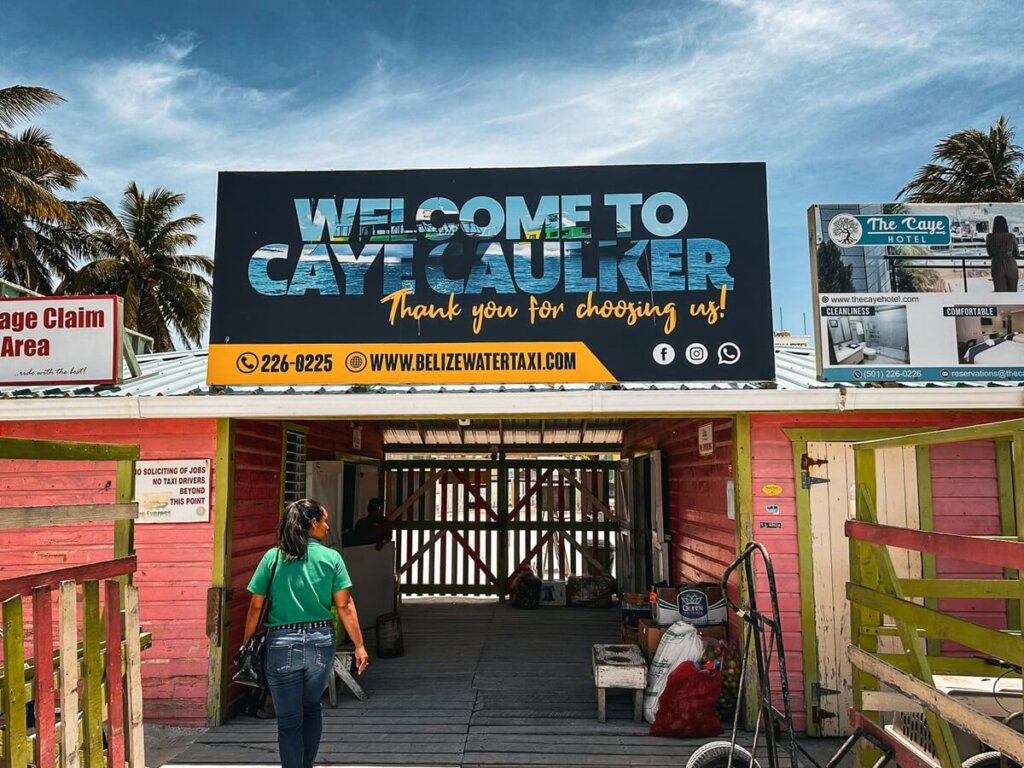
x=20, y=102
x=970, y=166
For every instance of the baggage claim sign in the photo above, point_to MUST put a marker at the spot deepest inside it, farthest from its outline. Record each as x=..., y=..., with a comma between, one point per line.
x=528, y=275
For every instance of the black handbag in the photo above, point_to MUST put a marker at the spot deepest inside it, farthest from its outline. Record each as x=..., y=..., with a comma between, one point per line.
x=250, y=656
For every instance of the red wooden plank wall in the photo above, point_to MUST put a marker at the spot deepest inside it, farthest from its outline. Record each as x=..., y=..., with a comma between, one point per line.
x=258, y=447
x=965, y=493
x=175, y=559
x=703, y=538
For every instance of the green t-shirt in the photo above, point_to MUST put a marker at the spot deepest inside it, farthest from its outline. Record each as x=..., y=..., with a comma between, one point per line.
x=302, y=590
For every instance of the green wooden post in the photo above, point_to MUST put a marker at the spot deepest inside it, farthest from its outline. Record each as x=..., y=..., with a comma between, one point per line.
x=92, y=630
x=1007, y=517
x=926, y=515
x=1018, y=504
x=124, y=530
x=221, y=654
x=805, y=555
x=867, y=501
x=744, y=490
x=863, y=571
x=16, y=744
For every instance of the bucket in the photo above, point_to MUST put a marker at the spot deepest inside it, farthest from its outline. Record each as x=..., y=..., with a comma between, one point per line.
x=389, y=636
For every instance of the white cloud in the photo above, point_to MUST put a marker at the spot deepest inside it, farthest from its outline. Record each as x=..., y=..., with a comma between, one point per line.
x=789, y=83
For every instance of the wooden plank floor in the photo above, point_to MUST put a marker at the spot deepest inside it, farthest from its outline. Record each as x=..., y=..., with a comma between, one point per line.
x=481, y=684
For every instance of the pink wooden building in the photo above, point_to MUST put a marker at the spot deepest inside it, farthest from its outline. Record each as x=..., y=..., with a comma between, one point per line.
x=757, y=481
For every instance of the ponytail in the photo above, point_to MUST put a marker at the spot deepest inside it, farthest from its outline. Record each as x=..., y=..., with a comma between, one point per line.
x=293, y=533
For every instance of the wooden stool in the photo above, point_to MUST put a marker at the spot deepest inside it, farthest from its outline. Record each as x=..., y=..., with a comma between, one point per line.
x=620, y=666
x=342, y=665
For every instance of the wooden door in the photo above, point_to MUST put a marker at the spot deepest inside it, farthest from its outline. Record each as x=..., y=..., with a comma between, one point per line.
x=467, y=527
x=831, y=505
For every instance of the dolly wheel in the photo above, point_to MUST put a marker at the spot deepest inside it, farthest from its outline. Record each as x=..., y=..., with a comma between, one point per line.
x=715, y=754
x=990, y=760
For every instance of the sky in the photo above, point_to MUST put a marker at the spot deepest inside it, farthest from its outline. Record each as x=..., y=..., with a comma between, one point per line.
x=842, y=101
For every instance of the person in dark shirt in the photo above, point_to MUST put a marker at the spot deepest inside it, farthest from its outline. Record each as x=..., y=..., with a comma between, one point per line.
x=375, y=528
x=1001, y=245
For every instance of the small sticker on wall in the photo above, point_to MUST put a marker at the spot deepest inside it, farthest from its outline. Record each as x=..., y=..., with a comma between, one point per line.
x=771, y=509
x=766, y=525
x=771, y=489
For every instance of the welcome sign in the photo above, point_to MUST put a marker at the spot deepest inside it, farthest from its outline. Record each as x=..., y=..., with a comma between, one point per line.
x=581, y=274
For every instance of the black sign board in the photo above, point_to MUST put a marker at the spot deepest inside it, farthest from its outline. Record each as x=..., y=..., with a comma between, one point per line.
x=581, y=274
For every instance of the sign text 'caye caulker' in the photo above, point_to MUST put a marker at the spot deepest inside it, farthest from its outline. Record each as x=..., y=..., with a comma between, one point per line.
x=583, y=274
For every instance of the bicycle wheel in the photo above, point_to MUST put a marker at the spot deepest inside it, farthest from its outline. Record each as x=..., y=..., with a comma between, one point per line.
x=989, y=760
x=716, y=755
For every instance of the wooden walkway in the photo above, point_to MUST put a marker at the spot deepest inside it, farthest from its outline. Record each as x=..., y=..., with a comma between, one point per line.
x=481, y=684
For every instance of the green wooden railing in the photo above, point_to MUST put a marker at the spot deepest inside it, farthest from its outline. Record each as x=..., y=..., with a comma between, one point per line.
x=875, y=592
x=93, y=676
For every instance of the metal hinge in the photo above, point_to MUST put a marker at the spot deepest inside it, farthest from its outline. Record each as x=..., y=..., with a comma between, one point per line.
x=807, y=480
x=818, y=691
x=818, y=715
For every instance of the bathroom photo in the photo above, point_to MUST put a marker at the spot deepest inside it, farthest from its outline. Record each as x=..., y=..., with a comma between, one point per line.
x=878, y=339
x=994, y=340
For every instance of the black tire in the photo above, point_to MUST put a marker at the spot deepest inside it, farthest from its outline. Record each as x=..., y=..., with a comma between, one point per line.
x=715, y=754
x=988, y=760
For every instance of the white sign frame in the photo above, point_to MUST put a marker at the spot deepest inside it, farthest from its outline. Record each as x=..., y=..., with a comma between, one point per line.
x=158, y=490
x=74, y=355
x=706, y=439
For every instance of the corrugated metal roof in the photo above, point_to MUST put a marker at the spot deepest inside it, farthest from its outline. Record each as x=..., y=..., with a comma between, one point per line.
x=183, y=373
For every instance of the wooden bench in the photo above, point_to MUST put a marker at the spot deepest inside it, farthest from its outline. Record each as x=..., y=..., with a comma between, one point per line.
x=619, y=666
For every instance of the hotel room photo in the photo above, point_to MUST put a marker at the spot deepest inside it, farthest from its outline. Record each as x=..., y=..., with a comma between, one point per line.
x=878, y=339
x=992, y=341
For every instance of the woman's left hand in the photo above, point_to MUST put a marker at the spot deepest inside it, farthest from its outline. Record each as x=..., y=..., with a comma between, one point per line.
x=362, y=659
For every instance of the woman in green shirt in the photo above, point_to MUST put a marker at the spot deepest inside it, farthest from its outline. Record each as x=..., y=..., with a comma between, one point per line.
x=303, y=579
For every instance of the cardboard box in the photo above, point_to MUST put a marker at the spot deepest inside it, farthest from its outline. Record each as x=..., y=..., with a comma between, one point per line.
x=635, y=606
x=630, y=635
x=666, y=610
x=650, y=635
x=714, y=632
x=552, y=593
x=701, y=605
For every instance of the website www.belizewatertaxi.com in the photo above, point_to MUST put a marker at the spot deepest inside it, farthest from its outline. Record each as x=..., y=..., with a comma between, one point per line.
x=463, y=363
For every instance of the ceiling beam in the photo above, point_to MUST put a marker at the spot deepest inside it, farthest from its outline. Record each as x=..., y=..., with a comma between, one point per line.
x=421, y=432
x=515, y=448
x=583, y=429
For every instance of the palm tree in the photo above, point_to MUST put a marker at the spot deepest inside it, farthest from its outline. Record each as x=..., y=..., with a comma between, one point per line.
x=139, y=258
x=39, y=233
x=971, y=166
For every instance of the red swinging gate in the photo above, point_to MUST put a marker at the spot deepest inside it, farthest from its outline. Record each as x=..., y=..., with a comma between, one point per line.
x=465, y=527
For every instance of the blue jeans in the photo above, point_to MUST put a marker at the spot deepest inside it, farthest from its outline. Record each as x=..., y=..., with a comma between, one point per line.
x=299, y=663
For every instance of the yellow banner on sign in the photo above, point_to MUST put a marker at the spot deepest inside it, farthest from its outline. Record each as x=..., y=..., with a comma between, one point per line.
x=462, y=363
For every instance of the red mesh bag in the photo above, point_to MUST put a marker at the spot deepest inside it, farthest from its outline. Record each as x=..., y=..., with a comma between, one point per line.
x=687, y=705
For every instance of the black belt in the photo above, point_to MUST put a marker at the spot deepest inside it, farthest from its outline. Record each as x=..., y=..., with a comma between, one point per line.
x=304, y=625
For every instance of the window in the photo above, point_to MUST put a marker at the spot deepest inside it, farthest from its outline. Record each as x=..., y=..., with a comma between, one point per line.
x=294, y=465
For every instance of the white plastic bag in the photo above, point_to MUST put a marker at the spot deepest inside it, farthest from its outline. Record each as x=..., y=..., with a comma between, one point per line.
x=679, y=643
